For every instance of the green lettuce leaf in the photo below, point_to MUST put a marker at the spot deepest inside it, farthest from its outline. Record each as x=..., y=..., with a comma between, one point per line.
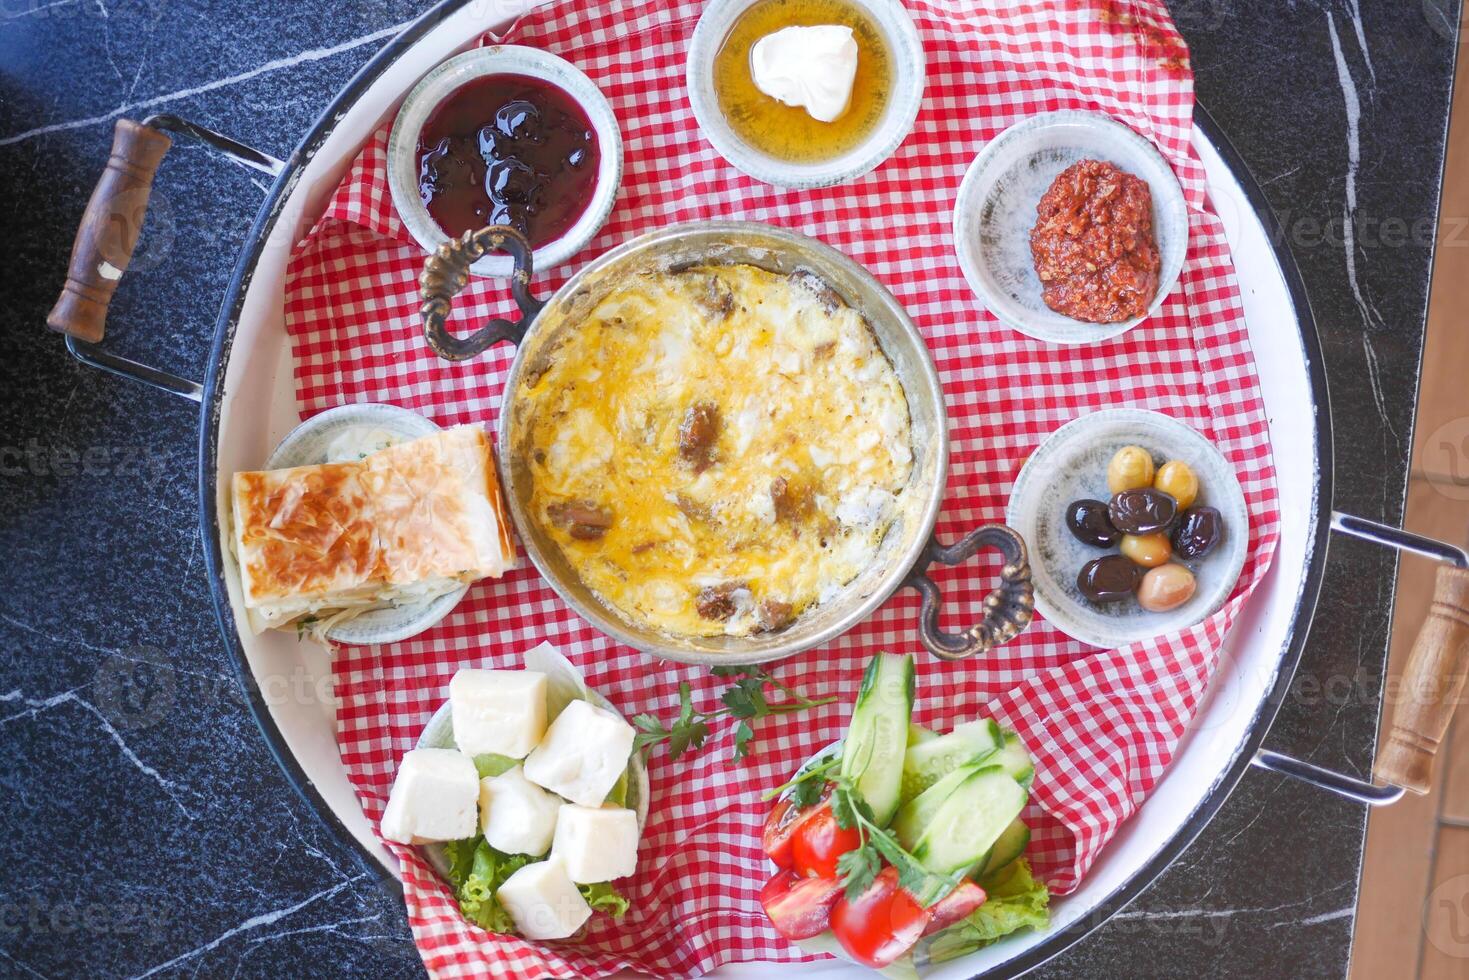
x=617, y=795
x=491, y=764
x=1017, y=901
x=602, y=897
x=476, y=871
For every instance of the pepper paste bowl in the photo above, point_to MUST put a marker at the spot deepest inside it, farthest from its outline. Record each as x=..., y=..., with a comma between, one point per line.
x=995, y=211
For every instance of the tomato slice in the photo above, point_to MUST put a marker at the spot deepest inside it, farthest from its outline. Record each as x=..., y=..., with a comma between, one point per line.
x=778, y=838
x=882, y=924
x=799, y=907
x=955, y=906
x=819, y=842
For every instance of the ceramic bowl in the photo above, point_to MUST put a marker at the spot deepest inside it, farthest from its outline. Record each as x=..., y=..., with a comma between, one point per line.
x=563, y=678
x=995, y=212
x=310, y=444
x=1072, y=465
x=906, y=50
x=502, y=59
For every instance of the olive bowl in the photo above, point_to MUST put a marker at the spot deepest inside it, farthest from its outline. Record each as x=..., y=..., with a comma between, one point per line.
x=1071, y=464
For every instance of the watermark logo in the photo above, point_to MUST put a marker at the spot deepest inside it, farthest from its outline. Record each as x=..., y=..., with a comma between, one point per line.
x=1446, y=917
x=1444, y=456
x=135, y=688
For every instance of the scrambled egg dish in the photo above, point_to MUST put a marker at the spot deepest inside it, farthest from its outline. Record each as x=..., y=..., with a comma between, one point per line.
x=715, y=450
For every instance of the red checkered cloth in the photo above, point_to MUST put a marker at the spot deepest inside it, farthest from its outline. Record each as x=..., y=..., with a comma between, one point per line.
x=1102, y=725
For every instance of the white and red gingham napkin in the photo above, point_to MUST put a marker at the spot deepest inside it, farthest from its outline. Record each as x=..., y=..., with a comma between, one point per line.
x=1102, y=724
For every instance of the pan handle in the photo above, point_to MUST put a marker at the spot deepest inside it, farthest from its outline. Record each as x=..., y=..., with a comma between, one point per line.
x=109, y=232
x=1007, y=609
x=1433, y=682
x=447, y=271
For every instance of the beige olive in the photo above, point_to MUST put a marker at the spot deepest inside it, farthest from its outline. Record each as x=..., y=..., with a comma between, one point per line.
x=1148, y=550
x=1166, y=587
x=1176, y=478
x=1131, y=468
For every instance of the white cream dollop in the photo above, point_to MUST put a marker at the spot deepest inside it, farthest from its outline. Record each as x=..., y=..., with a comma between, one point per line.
x=808, y=67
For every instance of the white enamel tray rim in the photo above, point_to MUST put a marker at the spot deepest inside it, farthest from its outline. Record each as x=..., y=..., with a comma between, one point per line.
x=259, y=407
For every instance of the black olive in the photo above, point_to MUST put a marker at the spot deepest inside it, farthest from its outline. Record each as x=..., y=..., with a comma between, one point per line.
x=1142, y=511
x=1198, y=531
x=1109, y=578
x=1089, y=522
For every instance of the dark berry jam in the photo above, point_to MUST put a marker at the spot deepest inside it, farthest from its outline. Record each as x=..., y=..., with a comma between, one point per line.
x=507, y=150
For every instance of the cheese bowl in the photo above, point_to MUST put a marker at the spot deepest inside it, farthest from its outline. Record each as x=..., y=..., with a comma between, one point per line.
x=567, y=684
x=907, y=548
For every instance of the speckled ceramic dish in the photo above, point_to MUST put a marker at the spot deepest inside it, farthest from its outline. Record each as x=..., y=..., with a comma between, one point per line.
x=995, y=211
x=897, y=121
x=509, y=59
x=375, y=426
x=1071, y=465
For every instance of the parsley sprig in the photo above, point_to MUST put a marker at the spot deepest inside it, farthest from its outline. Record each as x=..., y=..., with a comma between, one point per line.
x=746, y=700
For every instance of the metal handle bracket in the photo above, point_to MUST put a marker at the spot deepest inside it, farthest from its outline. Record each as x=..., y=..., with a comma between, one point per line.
x=1360, y=791
x=93, y=355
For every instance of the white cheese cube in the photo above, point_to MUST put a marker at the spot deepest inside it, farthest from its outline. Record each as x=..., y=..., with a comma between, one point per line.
x=596, y=843
x=434, y=798
x=515, y=815
x=583, y=754
x=543, y=901
x=501, y=711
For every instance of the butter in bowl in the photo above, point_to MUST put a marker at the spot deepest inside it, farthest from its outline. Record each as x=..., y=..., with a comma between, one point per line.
x=805, y=93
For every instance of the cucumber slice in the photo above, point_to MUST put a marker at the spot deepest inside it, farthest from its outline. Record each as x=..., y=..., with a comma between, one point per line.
x=1015, y=760
x=1010, y=845
x=916, y=814
x=917, y=733
x=927, y=762
x=877, y=736
x=968, y=823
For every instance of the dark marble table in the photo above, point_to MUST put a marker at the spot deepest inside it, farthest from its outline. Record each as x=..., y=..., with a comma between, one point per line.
x=152, y=834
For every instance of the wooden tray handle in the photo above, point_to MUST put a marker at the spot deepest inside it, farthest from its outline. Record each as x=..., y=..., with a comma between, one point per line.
x=109, y=231
x=1431, y=686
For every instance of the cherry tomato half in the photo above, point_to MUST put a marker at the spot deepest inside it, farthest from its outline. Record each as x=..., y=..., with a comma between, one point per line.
x=882, y=924
x=780, y=829
x=955, y=906
x=819, y=842
x=799, y=907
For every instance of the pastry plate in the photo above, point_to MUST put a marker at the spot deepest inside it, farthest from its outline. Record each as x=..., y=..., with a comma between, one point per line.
x=358, y=429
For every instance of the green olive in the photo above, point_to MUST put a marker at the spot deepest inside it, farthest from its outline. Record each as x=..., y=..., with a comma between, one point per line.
x=1177, y=479
x=1131, y=468
x=1148, y=550
x=1166, y=587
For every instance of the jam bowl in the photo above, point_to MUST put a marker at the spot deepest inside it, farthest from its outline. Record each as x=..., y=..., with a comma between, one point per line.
x=510, y=135
x=886, y=93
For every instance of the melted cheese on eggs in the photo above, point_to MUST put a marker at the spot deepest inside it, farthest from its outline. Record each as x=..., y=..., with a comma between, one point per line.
x=782, y=507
